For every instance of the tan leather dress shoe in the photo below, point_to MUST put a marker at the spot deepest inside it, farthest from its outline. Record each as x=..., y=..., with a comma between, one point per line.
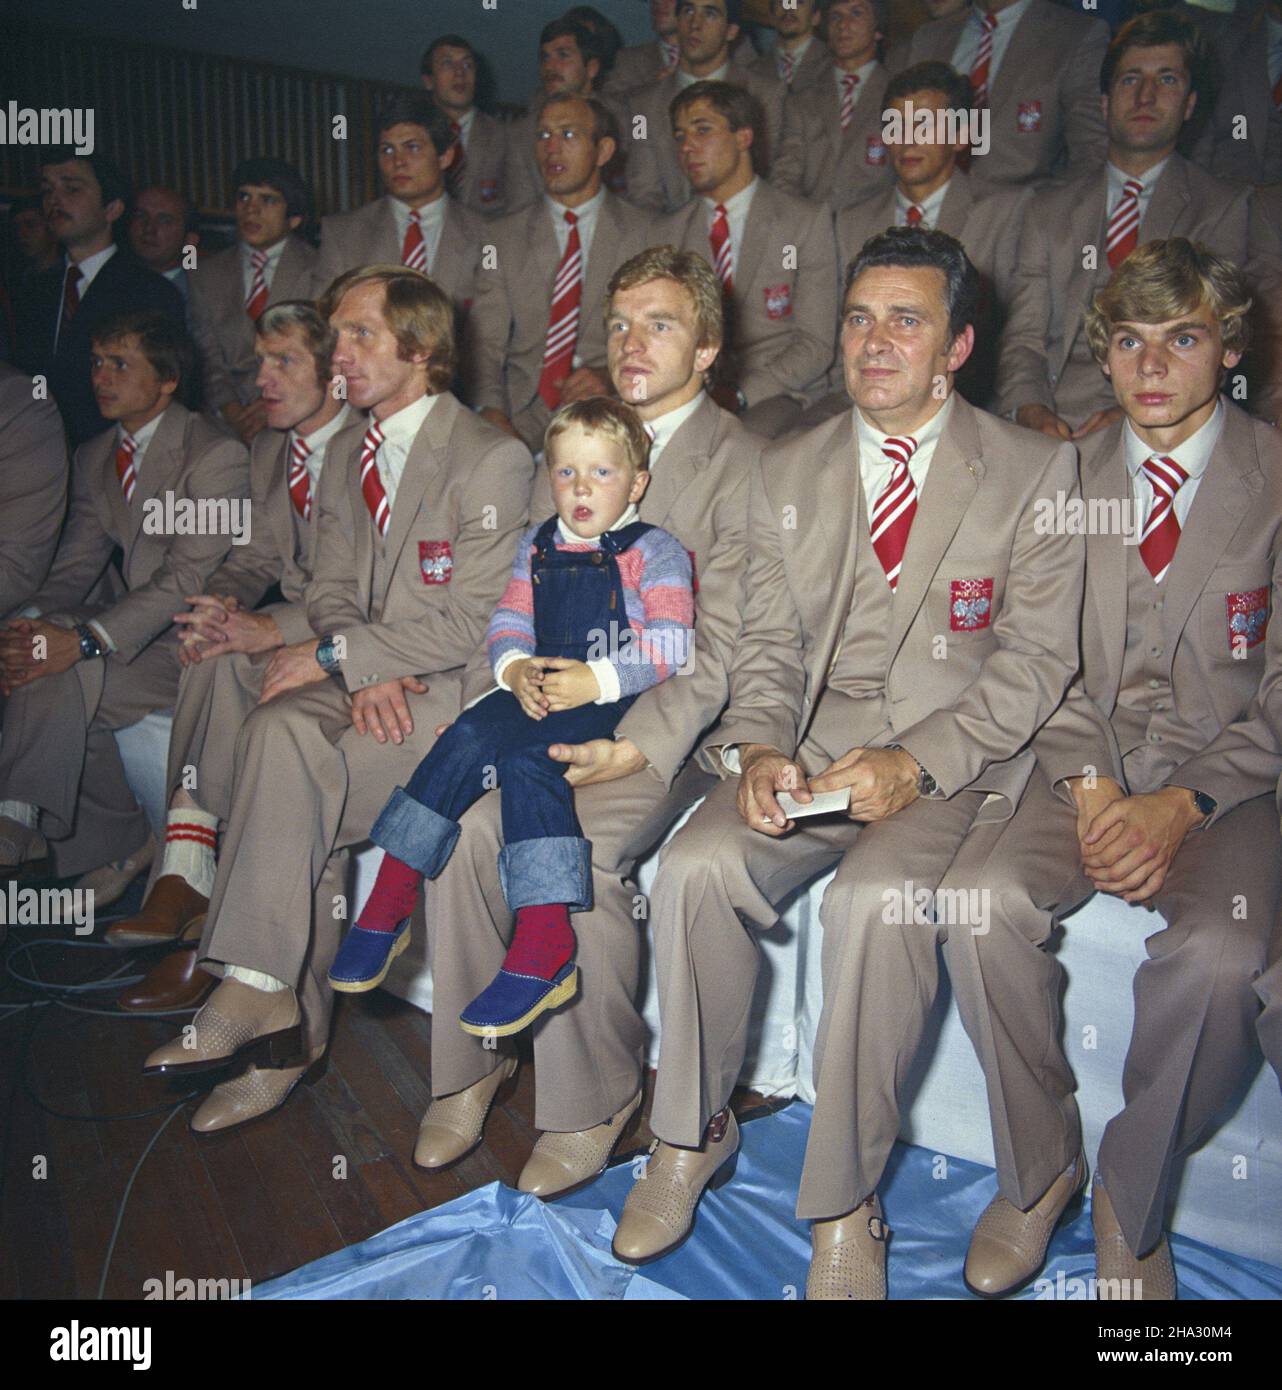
x=848, y=1255
x=238, y=1024
x=255, y=1092
x=19, y=843
x=171, y=906
x=109, y=883
x=174, y=982
x=659, y=1212
x=452, y=1125
x=565, y=1162
x=1118, y=1273
x=1008, y=1245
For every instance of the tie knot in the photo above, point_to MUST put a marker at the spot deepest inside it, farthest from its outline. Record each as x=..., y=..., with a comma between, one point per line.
x=259, y=259
x=1133, y=187
x=849, y=82
x=990, y=23
x=74, y=274
x=456, y=128
x=1165, y=474
x=899, y=448
x=571, y=219
x=128, y=443
x=373, y=438
x=721, y=210
x=913, y=215
x=301, y=449
x=414, y=216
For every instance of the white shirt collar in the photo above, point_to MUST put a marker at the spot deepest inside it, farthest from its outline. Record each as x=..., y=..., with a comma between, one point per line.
x=274, y=254
x=863, y=73
x=317, y=440
x=141, y=437
x=400, y=429
x=688, y=79
x=465, y=124
x=1146, y=180
x=1193, y=455
x=430, y=215
x=929, y=206
x=798, y=53
x=870, y=437
x=662, y=429
x=1007, y=18
x=90, y=266
x=630, y=514
x=738, y=205
x=586, y=212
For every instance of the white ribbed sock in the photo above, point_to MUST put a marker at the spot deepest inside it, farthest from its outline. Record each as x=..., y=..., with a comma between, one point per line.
x=21, y=811
x=269, y=984
x=190, y=839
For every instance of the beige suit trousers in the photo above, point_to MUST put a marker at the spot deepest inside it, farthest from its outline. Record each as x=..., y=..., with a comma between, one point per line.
x=720, y=882
x=1196, y=1009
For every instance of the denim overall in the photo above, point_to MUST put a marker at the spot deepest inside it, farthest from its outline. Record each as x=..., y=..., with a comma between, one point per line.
x=544, y=859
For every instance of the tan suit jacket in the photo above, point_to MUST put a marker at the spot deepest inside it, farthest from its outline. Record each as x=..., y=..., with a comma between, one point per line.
x=1044, y=101
x=634, y=67
x=507, y=328
x=1052, y=289
x=1246, y=92
x=819, y=159
x=461, y=504
x=1231, y=543
x=780, y=341
x=816, y=61
x=224, y=332
x=368, y=236
x=968, y=718
x=483, y=187
x=1264, y=269
x=188, y=457
x=33, y=488
x=655, y=179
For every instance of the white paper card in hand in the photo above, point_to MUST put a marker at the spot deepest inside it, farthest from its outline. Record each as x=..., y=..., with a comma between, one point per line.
x=823, y=803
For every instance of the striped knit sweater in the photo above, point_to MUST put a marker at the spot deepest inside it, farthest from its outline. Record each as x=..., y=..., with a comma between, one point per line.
x=659, y=603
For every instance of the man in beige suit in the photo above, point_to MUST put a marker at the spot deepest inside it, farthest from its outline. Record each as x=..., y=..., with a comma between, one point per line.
x=419, y=513
x=169, y=489
x=1034, y=65
x=799, y=56
x=664, y=328
x=33, y=488
x=706, y=30
x=415, y=223
x=226, y=642
x=905, y=632
x=644, y=63
x=477, y=177
x=231, y=288
x=535, y=339
x=1156, y=783
x=930, y=191
x=840, y=156
x=775, y=256
x=1074, y=236
x=1244, y=136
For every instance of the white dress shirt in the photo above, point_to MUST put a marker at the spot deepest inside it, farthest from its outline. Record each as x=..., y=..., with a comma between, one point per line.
x=875, y=468
x=1117, y=181
x=431, y=219
x=968, y=41
x=662, y=429
x=465, y=127
x=1192, y=456
x=398, y=435
x=269, y=270
x=737, y=209
x=88, y=269
x=864, y=74
x=929, y=207
x=318, y=441
x=688, y=79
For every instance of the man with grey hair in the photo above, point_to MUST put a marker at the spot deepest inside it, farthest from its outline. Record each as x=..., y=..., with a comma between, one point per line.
x=225, y=640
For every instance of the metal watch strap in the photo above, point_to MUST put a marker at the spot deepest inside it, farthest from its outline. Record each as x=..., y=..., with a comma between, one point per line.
x=926, y=784
x=90, y=643
x=326, y=658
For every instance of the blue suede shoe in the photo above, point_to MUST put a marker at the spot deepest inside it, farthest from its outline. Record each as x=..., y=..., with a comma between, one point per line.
x=365, y=957
x=512, y=1002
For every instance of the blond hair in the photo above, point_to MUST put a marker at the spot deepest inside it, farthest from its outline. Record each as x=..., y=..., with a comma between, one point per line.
x=1165, y=280
x=603, y=415
x=417, y=310
x=691, y=271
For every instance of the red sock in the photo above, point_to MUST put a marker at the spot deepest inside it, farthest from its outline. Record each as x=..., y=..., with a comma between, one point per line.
x=394, y=897
x=543, y=943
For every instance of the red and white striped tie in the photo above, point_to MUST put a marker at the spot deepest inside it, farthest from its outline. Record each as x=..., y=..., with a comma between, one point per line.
x=1124, y=224
x=414, y=250
x=671, y=54
x=983, y=59
x=848, y=84
x=1162, y=531
x=371, y=484
x=257, y=300
x=300, y=482
x=719, y=236
x=563, y=319
x=125, y=465
x=892, y=515
x=787, y=66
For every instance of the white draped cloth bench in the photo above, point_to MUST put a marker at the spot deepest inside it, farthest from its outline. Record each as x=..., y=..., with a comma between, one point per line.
x=1230, y=1192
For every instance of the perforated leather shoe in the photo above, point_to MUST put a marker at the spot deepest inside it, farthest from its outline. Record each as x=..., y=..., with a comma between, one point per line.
x=257, y=1091
x=238, y=1023
x=1118, y=1273
x=453, y=1125
x=1008, y=1245
x=848, y=1255
x=659, y=1212
x=565, y=1162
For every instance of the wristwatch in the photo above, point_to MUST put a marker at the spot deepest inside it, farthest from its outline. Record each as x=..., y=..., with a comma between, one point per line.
x=90, y=645
x=327, y=655
x=1205, y=804
x=926, y=784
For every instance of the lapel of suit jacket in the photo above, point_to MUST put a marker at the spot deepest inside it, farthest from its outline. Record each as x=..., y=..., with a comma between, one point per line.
x=540, y=241
x=228, y=286
x=162, y=460
x=1106, y=481
x=761, y=219
x=955, y=208
x=293, y=276
x=1086, y=228
x=426, y=454
x=607, y=238
x=1231, y=481
x=833, y=497
x=383, y=224
x=687, y=451
x=102, y=465
x=950, y=485
x=279, y=503
x=1169, y=203
x=1025, y=52
x=451, y=250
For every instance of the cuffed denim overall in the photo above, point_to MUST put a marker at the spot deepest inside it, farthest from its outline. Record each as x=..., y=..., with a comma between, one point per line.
x=578, y=596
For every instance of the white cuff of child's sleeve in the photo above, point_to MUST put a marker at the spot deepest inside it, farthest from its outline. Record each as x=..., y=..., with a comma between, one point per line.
x=506, y=660
x=607, y=678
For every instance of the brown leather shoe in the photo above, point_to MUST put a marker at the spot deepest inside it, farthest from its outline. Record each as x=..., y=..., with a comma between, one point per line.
x=659, y=1212
x=848, y=1255
x=565, y=1162
x=110, y=883
x=174, y=982
x=238, y=1023
x=1118, y=1273
x=171, y=906
x=453, y=1125
x=257, y=1091
x=1008, y=1245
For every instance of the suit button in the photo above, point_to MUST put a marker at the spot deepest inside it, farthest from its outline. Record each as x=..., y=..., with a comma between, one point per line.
x=1154, y=684
x=1155, y=738
x=1155, y=651
x=1158, y=604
